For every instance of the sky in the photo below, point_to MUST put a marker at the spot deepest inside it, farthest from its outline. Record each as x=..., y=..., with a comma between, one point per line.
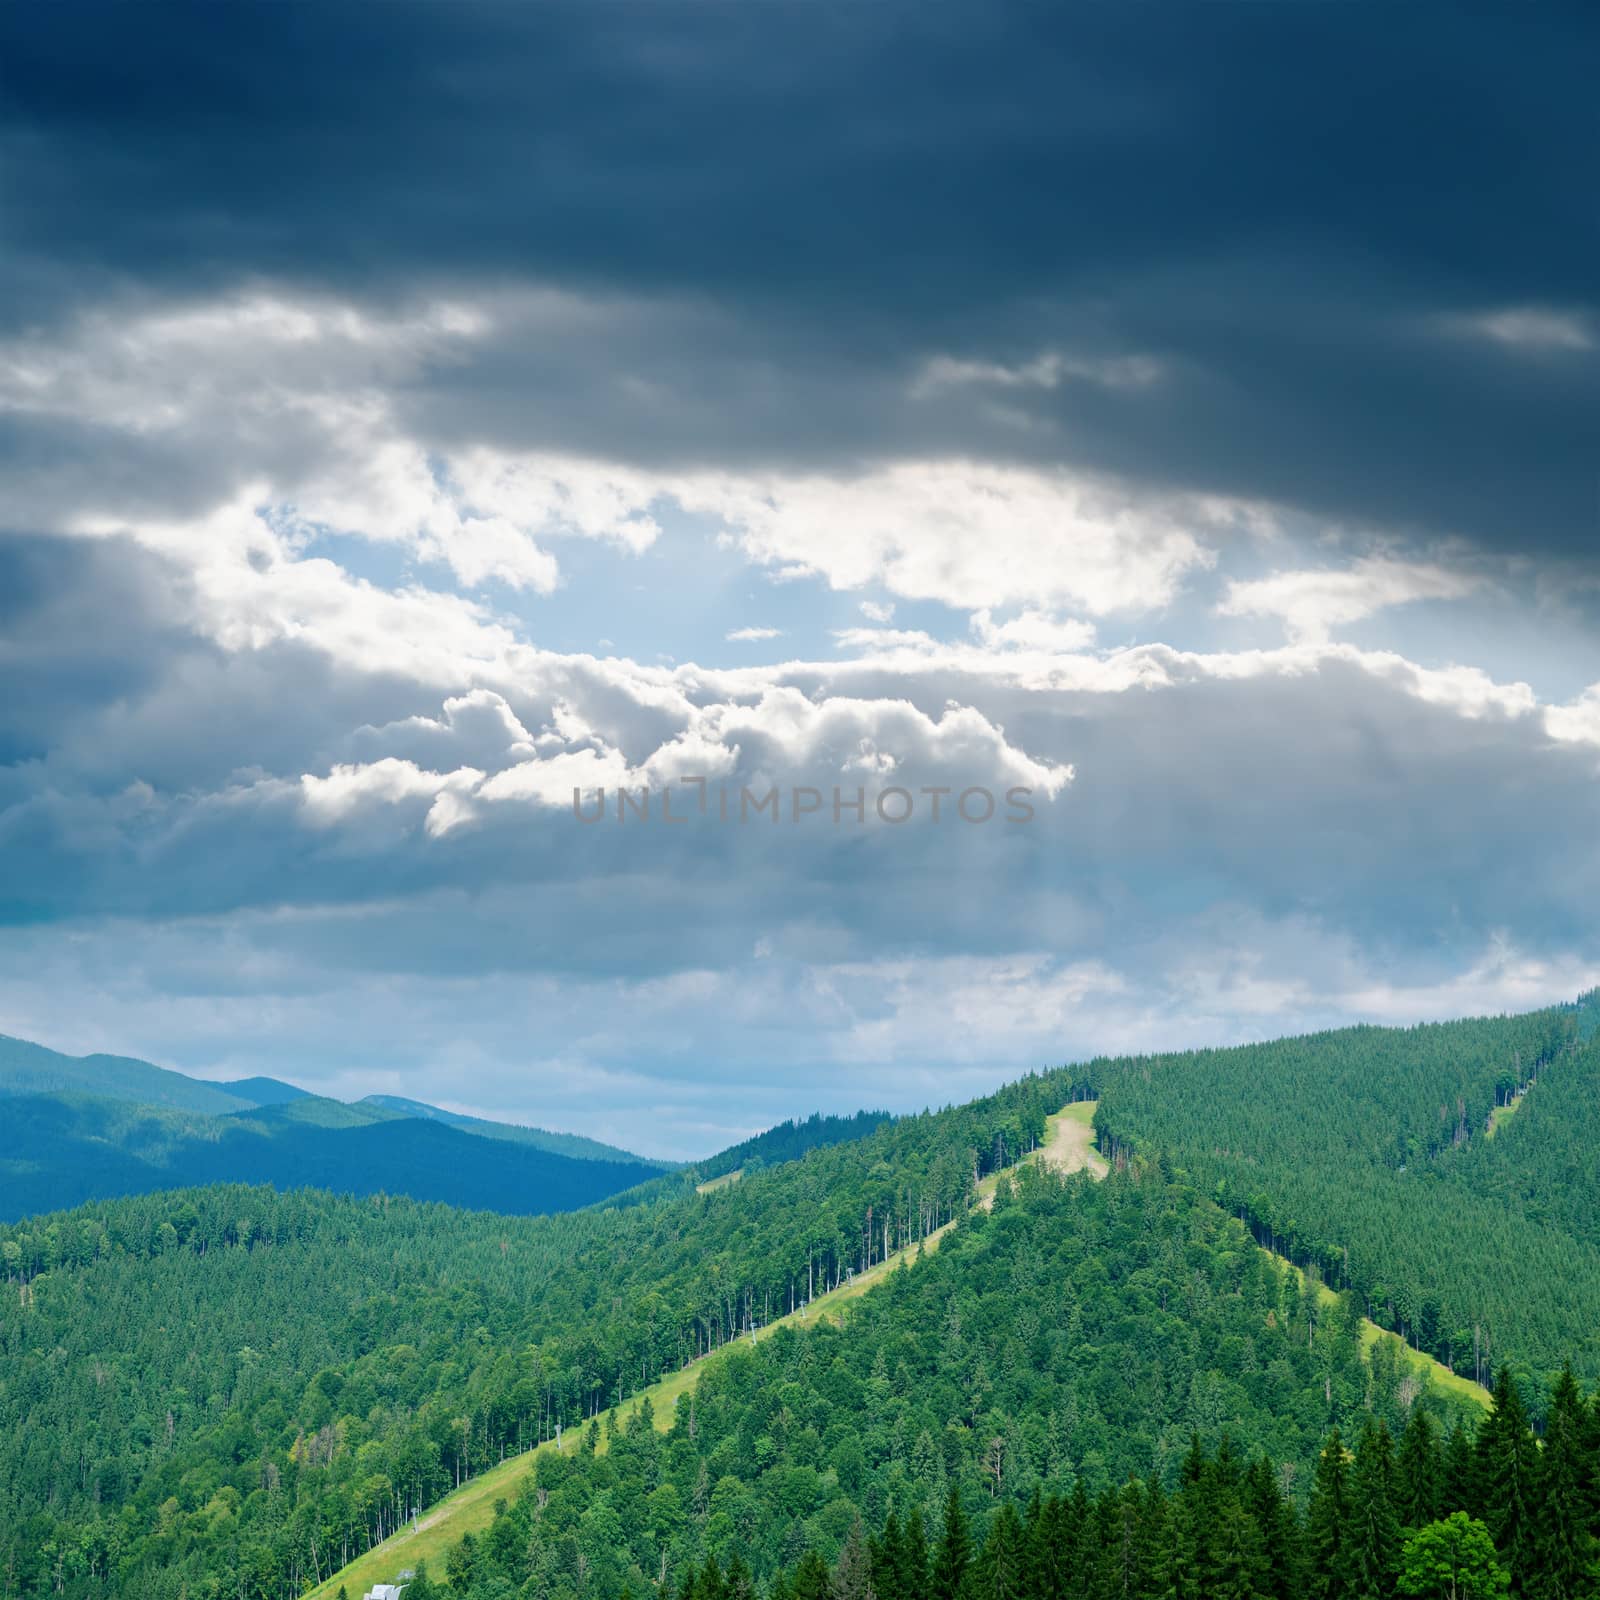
x=1181, y=421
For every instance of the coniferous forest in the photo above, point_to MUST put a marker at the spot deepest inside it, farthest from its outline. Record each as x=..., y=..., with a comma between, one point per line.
x=1151, y=1384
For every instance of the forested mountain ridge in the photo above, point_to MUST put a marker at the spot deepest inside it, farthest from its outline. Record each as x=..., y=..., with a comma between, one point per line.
x=1397, y=1381
x=1365, y=1154
x=347, y=1361
x=788, y=1141
x=371, y=1353
x=64, y=1149
x=92, y=1127
x=32, y=1069
x=561, y=1144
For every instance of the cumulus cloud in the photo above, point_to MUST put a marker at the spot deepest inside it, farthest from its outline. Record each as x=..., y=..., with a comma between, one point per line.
x=752, y=635
x=970, y=534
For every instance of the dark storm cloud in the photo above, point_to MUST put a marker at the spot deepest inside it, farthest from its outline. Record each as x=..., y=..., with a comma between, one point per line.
x=1296, y=212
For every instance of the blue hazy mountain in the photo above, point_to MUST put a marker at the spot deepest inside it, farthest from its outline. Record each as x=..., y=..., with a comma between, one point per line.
x=81, y=1128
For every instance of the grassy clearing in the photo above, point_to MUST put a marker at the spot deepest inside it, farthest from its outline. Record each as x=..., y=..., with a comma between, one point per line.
x=1437, y=1372
x=1503, y=1114
x=719, y=1183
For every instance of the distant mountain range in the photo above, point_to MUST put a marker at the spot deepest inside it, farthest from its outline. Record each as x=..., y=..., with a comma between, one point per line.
x=78, y=1128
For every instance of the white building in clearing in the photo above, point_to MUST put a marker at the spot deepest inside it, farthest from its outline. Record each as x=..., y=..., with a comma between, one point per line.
x=384, y=1591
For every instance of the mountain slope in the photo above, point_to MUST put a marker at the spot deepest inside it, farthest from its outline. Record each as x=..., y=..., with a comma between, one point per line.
x=264, y=1091
x=62, y=1150
x=565, y=1144
x=921, y=1312
x=345, y=1363
x=32, y=1069
x=1364, y=1153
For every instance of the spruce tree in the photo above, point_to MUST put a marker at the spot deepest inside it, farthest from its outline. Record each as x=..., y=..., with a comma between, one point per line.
x=713, y=1586
x=913, y=1564
x=1235, y=1566
x=886, y=1558
x=811, y=1580
x=738, y=1581
x=1461, y=1487
x=1561, y=1556
x=955, y=1551
x=1419, y=1471
x=1374, y=1546
x=1050, y=1558
x=1328, y=1522
x=852, y=1577
x=1000, y=1573
x=1179, y=1557
x=1280, y=1533
x=1506, y=1463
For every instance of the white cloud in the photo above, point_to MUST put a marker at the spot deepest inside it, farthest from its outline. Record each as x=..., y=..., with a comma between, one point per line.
x=879, y=611
x=1311, y=604
x=752, y=635
x=1034, y=630
x=1525, y=329
x=878, y=640
x=969, y=534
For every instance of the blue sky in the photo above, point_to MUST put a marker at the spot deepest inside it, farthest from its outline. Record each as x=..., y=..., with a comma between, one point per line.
x=1110, y=406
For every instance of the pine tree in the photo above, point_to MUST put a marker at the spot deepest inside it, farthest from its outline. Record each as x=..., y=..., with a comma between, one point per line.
x=955, y=1551
x=1419, y=1471
x=1374, y=1546
x=1506, y=1463
x=1561, y=1553
x=1328, y=1522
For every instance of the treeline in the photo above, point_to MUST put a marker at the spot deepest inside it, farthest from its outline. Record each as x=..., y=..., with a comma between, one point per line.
x=1456, y=1518
x=236, y=1385
x=1365, y=1156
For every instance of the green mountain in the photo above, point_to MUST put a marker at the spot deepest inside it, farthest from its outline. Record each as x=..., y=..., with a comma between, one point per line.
x=565, y=1144
x=91, y=1127
x=264, y=1091
x=1074, y=1384
x=64, y=1149
x=32, y=1069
